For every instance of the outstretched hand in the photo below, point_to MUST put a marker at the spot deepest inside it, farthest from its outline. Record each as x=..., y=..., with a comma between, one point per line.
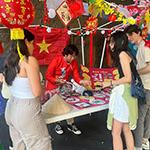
x=106, y=84
x=85, y=82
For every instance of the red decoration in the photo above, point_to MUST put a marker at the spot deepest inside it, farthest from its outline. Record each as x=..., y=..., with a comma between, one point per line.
x=91, y=50
x=75, y=7
x=64, y=13
x=1, y=48
x=147, y=43
x=48, y=45
x=16, y=13
x=112, y=18
x=78, y=33
x=92, y=23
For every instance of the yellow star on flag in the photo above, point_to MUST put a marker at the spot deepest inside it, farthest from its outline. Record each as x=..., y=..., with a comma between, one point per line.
x=44, y=46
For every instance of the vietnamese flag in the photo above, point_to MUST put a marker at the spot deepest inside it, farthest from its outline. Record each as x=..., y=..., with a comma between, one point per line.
x=48, y=45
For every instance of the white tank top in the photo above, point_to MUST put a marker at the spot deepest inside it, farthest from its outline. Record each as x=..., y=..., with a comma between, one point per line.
x=21, y=88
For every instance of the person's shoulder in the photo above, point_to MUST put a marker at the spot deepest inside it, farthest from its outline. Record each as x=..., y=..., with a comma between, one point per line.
x=32, y=59
x=123, y=54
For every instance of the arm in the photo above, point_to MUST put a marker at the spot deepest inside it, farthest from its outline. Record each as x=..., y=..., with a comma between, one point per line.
x=76, y=75
x=33, y=73
x=50, y=71
x=145, y=70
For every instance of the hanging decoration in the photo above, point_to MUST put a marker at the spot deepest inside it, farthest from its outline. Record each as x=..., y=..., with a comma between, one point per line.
x=91, y=25
x=48, y=44
x=64, y=13
x=16, y=14
x=76, y=7
x=112, y=17
x=127, y=14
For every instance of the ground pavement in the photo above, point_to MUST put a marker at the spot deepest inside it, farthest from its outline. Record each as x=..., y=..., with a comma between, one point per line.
x=95, y=135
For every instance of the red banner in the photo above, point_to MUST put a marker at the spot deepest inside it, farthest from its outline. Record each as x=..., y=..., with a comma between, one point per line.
x=48, y=45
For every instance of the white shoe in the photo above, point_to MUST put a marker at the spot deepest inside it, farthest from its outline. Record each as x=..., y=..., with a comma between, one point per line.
x=59, y=129
x=145, y=144
x=10, y=148
x=73, y=129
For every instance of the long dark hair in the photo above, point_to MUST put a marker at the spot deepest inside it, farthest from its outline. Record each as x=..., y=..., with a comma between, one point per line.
x=11, y=66
x=120, y=40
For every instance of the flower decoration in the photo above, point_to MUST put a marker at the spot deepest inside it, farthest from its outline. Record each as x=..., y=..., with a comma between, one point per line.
x=92, y=23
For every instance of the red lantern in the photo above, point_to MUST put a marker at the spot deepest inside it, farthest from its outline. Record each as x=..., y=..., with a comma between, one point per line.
x=76, y=7
x=16, y=13
x=112, y=17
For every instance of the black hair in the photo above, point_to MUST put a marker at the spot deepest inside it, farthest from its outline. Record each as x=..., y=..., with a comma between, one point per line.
x=70, y=49
x=11, y=65
x=120, y=41
x=132, y=28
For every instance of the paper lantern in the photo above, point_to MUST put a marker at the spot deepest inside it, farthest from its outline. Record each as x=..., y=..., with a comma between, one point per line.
x=16, y=14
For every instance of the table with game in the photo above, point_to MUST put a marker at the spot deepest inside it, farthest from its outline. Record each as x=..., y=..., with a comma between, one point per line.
x=82, y=105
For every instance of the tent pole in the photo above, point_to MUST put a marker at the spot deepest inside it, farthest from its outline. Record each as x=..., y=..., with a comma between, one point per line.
x=103, y=52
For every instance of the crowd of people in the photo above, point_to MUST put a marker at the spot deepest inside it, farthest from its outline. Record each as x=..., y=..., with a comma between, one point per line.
x=22, y=75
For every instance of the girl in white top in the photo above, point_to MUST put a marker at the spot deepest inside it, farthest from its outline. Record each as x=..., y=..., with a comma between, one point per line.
x=28, y=130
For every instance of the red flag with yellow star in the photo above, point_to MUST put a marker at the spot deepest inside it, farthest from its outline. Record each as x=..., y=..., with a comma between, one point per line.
x=48, y=45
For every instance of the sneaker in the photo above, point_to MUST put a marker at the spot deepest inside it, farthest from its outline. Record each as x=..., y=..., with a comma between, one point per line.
x=59, y=129
x=10, y=148
x=73, y=129
x=145, y=144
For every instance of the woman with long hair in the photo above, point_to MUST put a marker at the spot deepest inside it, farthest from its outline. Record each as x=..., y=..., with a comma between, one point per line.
x=27, y=127
x=122, y=115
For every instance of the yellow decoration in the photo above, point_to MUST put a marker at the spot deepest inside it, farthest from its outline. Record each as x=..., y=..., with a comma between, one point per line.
x=44, y=46
x=131, y=20
x=84, y=69
x=19, y=53
x=86, y=76
x=93, y=9
x=147, y=17
x=16, y=34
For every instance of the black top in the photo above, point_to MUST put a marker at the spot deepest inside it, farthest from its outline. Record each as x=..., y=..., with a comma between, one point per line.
x=120, y=68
